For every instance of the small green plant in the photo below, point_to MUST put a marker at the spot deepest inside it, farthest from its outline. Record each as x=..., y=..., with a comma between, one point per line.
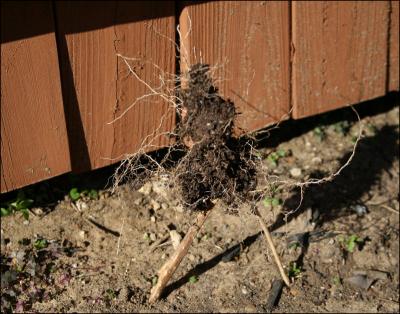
x=350, y=243
x=336, y=281
x=154, y=280
x=146, y=237
x=20, y=204
x=294, y=270
x=272, y=201
x=342, y=127
x=76, y=195
x=110, y=294
x=40, y=244
x=320, y=133
x=274, y=157
x=206, y=236
x=294, y=245
x=193, y=279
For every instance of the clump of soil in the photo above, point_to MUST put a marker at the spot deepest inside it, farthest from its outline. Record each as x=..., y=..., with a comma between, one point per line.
x=217, y=165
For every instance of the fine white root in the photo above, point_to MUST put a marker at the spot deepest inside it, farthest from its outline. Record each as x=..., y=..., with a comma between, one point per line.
x=274, y=253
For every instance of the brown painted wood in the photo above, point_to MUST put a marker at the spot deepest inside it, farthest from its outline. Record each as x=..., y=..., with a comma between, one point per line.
x=97, y=84
x=249, y=43
x=340, y=53
x=34, y=142
x=394, y=84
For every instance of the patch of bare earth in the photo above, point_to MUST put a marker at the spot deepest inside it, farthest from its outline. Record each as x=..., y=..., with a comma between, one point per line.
x=344, y=238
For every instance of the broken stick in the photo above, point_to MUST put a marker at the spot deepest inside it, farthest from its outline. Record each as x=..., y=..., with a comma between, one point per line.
x=168, y=269
x=272, y=246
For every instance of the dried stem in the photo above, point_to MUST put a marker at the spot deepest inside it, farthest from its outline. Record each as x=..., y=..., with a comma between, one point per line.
x=276, y=256
x=168, y=269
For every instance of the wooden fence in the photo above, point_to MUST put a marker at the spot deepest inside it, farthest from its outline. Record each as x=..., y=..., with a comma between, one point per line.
x=62, y=80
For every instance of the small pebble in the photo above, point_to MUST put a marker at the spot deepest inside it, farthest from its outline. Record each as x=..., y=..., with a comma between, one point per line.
x=146, y=189
x=175, y=238
x=153, y=219
x=360, y=210
x=81, y=205
x=155, y=205
x=160, y=189
x=179, y=208
x=37, y=211
x=191, y=257
x=153, y=237
x=164, y=206
x=244, y=290
x=295, y=172
x=360, y=281
x=82, y=234
x=138, y=201
x=316, y=160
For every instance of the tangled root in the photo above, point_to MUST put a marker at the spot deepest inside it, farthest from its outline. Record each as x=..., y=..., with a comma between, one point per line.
x=217, y=165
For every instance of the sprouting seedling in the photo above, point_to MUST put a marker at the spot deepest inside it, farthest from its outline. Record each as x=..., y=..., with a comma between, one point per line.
x=272, y=201
x=40, y=244
x=319, y=132
x=110, y=294
x=342, y=127
x=274, y=157
x=337, y=281
x=193, y=279
x=294, y=270
x=350, y=243
x=76, y=195
x=294, y=245
x=20, y=204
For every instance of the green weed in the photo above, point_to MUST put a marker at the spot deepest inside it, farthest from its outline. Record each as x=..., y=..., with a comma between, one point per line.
x=342, y=127
x=320, y=133
x=76, y=195
x=294, y=270
x=193, y=279
x=272, y=201
x=274, y=157
x=350, y=243
x=40, y=244
x=20, y=204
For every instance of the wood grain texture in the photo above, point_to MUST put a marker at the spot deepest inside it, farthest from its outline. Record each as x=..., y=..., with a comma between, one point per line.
x=393, y=84
x=97, y=84
x=34, y=142
x=248, y=43
x=340, y=53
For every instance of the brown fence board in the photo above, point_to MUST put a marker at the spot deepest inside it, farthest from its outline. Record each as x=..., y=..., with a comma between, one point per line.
x=340, y=53
x=97, y=84
x=249, y=42
x=34, y=144
x=394, y=47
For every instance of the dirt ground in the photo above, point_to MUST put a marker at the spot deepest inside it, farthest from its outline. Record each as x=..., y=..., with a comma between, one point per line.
x=340, y=248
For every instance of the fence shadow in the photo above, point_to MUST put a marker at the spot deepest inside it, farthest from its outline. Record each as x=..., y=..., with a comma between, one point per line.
x=374, y=155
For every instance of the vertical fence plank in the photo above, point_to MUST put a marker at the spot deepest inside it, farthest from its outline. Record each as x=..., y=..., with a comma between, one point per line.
x=394, y=47
x=33, y=134
x=340, y=53
x=248, y=43
x=97, y=85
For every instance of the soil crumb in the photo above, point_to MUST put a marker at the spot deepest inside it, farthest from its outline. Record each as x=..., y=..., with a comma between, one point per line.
x=217, y=165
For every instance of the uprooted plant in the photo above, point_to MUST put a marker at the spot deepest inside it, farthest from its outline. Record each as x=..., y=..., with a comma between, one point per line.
x=207, y=162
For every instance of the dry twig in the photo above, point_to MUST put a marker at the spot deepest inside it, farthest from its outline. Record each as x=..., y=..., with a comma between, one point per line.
x=168, y=269
x=272, y=246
